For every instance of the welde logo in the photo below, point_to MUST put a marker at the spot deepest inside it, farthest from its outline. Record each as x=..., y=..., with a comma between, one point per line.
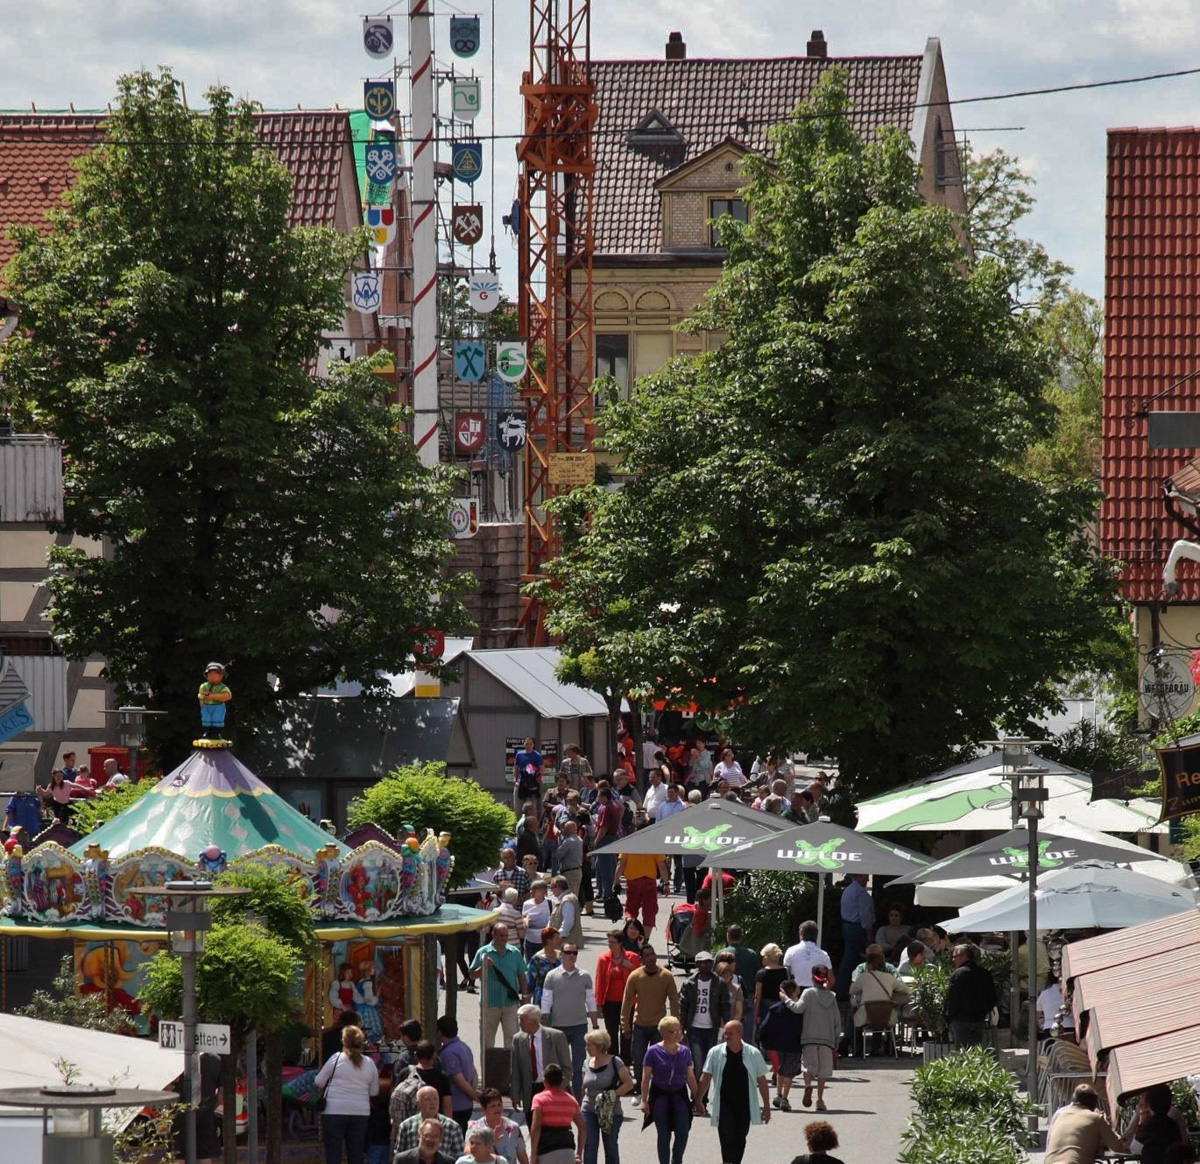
x=1019, y=858
x=826, y=856
x=710, y=841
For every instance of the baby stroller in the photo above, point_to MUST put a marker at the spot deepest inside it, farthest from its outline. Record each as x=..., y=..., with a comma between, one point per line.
x=682, y=943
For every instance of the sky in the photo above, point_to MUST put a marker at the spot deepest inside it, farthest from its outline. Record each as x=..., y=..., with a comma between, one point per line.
x=289, y=53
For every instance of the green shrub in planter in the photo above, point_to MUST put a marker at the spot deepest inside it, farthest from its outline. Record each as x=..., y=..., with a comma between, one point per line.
x=929, y=997
x=966, y=1104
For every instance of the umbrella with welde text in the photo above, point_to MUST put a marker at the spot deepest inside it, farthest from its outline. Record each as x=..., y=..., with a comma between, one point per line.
x=820, y=848
x=1008, y=856
x=711, y=827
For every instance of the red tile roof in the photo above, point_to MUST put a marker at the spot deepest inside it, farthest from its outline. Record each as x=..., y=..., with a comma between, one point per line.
x=1152, y=340
x=708, y=101
x=37, y=151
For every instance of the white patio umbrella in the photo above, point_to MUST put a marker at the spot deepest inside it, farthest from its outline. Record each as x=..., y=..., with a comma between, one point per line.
x=966, y=891
x=1090, y=894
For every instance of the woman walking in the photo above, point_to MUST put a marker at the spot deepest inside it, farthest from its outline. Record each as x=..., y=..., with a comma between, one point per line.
x=667, y=1079
x=822, y=1031
x=554, y=1113
x=605, y=1080
x=546, y=959
x=348, y=1080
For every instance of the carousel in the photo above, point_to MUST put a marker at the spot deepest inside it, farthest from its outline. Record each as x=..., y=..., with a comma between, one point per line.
x=379, y=908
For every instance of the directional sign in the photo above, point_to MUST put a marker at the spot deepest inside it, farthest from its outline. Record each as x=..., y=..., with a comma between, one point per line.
x=466, y=224
x=464, y=99
x=379, y=99
x=511, y=362
x=381, y=159
x=466, y=159
x=469, y=358
x=365, y=292
x=377, y=36
x=464, y=35
x=484, y=294
x=511, y=429
x=211, y=1037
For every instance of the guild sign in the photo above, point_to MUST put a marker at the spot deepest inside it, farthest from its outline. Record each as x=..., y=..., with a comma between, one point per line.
x=379, y=99
x=511, y=427
x=484, y=294
x=364, y=291
x=381, y=160
x=468, y=361
x=464, y=99
x=381, y=223
x=466, y=225
x=464, y=35
x=511, y=363
x=377, y=36
x=464, y=517
x=1167, y=688
x=469, y=432
x=466, y=160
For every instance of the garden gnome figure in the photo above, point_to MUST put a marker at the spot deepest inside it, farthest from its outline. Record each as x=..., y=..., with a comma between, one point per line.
x=213, y=696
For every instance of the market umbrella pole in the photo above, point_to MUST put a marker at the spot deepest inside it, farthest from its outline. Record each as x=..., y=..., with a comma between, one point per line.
x=820, y=908
x=1031, y=1086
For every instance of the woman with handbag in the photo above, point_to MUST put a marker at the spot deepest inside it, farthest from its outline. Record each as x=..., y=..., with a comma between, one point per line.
x=347, y=1081
x=605, y=1080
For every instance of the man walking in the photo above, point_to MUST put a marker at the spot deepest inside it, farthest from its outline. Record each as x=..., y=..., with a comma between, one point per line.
x=970, y=996
x=568, y=1002
x=704, y=1008
x=527, y=776
x=643, y=874
x=459, y=1065
x=650, y=995
x=504, y=988
x=575, y=767
x=748, y=963
x=741, y=1095
x=801, y=958
x=570, y=856
x=608, y=828
x=565, y=912
x=533, y=1047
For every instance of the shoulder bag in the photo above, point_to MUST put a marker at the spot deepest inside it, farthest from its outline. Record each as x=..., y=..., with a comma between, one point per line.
x=321, y=1100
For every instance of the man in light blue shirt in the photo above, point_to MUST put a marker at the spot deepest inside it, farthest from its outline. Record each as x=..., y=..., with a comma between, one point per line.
x=858, y=923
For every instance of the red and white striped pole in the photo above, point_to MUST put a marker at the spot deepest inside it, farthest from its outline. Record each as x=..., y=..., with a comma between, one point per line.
x=424, y=233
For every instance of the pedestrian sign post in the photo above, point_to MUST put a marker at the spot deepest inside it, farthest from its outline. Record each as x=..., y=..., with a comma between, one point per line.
x=211, y=1037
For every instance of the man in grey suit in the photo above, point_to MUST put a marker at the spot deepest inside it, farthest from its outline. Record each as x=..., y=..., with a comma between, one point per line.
x=533, y=1047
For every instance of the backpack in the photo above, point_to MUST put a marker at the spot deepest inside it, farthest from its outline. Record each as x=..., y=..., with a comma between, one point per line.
x=612, y=907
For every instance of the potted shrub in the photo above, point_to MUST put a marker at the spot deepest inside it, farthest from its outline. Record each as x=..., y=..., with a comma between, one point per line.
x=929, y=1007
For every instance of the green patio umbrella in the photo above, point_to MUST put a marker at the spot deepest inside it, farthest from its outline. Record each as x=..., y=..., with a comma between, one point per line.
x=820, y=847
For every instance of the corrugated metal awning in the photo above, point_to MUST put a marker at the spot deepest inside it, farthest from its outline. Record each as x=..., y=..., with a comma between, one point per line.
x=529, y=673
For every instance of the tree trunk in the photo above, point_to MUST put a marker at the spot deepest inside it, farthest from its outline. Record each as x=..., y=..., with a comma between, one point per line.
x=273, y=1053
x=229, y=1103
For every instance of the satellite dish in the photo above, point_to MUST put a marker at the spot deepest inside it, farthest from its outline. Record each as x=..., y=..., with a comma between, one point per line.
x=8, y=317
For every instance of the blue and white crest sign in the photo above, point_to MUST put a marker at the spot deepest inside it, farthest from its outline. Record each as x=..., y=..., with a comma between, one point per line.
x=464, y=35
x=377, y=36
x=365, y=292
x=379, y=99
x=469, y=361
x=467, y=161
x=381, y=161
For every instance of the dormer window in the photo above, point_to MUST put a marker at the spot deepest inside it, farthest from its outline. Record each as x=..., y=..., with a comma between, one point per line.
x=657, y=138
x=718, y=207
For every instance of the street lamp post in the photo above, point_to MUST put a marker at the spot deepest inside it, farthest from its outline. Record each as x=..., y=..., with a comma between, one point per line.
x=1032, y=795
x=131, y=728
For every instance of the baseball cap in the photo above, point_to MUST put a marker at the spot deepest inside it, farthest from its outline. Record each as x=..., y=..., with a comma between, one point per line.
x=704, y=956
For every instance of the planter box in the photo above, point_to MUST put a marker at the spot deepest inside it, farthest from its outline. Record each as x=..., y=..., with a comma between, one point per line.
x=931, y=1051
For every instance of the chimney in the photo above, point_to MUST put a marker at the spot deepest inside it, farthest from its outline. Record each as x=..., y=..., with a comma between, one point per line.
x=676, y=49
x=816, y=45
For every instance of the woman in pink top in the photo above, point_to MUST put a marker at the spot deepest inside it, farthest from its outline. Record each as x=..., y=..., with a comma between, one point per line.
x=58, y=793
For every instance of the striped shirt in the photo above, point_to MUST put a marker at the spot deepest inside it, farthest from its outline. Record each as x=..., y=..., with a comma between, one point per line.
x=558, y=1107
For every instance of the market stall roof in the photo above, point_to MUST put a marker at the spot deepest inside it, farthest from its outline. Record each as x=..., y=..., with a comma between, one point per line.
x=714, y=825
x=210, y=799
x=819, y=847
x=529, y=673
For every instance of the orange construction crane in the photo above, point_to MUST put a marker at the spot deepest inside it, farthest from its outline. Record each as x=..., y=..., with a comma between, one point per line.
x=555, y=272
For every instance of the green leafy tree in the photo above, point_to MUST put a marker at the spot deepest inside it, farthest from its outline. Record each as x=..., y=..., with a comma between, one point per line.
x=246, y=978
x=827, y=526
x=89, y=815
x=64, y=1004
x=256, y=511
x=423, y=795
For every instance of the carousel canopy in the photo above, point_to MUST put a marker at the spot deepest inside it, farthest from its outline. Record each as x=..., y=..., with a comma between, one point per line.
x=210, y=799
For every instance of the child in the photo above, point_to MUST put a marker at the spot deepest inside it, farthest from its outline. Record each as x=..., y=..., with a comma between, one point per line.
x=822, y=1031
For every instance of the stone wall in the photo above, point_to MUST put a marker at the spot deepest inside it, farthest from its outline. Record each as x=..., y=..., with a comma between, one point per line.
x=496, y=558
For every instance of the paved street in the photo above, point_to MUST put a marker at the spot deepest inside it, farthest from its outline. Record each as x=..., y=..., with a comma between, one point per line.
x=869, y=1108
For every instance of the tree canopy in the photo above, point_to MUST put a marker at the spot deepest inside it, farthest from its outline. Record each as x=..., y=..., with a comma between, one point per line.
x=255, y=511
x=827, y=525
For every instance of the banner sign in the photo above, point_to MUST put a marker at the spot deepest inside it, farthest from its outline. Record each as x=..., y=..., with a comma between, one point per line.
x=469, y=432
x=15, y=716
x=706, y=840
x=511, y=363
x=381, y=222
x=464, y=99
x=466, y=224
x=464, y=517
x=377, y=36
x=484, y=293
x=466, y=159
x=512, y=429
x=379, y=99
x=464, y=35
x=1180, y=769
x=469, y=358
x=365, y=291
x=381, y=160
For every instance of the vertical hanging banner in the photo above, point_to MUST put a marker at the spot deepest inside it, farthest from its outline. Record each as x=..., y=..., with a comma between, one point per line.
x=511, y=429
x=377, y=36
x=381, y=222
x=379, y=99
x=464, y=35
x=365, y=291
x=381, y=162
x=464, y=517
x=484, y=293
x=511, y=361
x=466, y=158
x=466, y=224
x=469, y=357
x=464, y=99
x=469, y=431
